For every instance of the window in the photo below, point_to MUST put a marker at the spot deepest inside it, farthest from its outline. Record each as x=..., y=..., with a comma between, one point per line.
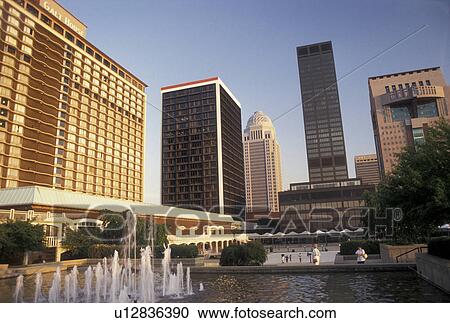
x=420, y=83
x=427, y=82
x=387, y=88
x=70, y=37
x=46, y=19
x=2, y=123
x=4, y=101
x=58, y=28
x=418, y=135
x=427, y=110
x=32, y=10
x=400, y=113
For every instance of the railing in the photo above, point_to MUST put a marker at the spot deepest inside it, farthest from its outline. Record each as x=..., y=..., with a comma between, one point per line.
x=412, y=92
x=418, y=249
x=52, y=241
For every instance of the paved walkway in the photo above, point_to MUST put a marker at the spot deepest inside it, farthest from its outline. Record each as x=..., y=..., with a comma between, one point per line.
x=274, y=258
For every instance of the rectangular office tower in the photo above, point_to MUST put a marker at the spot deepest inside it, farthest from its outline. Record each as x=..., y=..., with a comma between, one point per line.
x=70, y=117
x=321, y=113
x=202, y=152
x=366, y=168
x=403, y=105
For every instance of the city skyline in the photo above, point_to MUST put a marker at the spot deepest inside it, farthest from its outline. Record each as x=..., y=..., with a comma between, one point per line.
x=272, y=88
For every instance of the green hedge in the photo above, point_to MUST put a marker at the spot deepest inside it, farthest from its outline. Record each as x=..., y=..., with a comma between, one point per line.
x=250, y=254
x=183, y=251
x=439, y=247
x=350, y=247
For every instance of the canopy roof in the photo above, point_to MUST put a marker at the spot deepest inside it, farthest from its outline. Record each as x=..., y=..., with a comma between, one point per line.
x=36, y=195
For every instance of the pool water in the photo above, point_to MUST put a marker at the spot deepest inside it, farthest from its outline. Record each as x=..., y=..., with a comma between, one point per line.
x=286, y=288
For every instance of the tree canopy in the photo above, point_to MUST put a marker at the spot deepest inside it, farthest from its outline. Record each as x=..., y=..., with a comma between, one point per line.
x=20, y=236
x=419, y=186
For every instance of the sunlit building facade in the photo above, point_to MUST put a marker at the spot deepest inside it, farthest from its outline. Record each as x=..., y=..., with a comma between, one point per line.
x=70, y=117
x=262, y=165
x=403, y=106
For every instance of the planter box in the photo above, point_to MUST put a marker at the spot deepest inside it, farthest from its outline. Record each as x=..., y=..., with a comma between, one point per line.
x=435, y=270
x=351, y=259
x=389, y=253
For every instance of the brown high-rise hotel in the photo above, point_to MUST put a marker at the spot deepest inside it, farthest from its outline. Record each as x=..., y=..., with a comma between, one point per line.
x=403, y=105
x=70, y=117
x=366, y=167
x=202, y=152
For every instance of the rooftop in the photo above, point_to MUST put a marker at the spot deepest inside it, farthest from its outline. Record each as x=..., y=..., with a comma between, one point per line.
x=406, y=72
x=43, y=196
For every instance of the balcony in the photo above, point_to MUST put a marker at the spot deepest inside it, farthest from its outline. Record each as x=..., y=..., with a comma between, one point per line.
x=429, y=91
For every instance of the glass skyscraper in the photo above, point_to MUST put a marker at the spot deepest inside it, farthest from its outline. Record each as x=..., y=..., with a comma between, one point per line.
x=321, y=113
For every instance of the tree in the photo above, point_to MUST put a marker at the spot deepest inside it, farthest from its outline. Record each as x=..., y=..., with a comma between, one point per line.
x=17, y=237
x=419, y=186
x=78, y=242
x=114, y=225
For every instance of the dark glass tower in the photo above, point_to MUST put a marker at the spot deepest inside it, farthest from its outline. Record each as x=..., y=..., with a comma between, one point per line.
x=202, y=151
x=321, y=113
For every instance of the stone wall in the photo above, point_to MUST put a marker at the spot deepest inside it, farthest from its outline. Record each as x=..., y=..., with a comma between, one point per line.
x=435, y=270
x=389, y=253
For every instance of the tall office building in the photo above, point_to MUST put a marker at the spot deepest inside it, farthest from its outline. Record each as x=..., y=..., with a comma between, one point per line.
x=202, y=152
x=366, y=167
x=70, y=117
x=403, y=105
x=262, y=164
x=321, y=113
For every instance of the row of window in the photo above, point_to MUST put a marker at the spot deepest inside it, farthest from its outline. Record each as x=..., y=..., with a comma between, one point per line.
x=395, y=87
x=80, y=43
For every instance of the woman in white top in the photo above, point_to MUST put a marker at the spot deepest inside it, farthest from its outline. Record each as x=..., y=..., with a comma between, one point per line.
x=360, y=255
x=316, y=255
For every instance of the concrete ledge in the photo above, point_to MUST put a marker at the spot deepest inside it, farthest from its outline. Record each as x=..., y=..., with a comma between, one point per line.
x=346, y=259
x=389, y=253
x=302, y=269
x=435, y=270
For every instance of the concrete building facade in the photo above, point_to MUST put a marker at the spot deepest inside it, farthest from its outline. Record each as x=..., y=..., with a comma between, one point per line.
x=403, y=105
x=366, y=168
x=262, y=160
x=70, y=117
x=202, y=152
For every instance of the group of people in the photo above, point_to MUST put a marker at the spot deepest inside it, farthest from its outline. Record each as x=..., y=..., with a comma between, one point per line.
x=360, y=253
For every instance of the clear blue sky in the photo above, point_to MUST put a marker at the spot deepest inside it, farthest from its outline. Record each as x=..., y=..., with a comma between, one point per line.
x=251, y=46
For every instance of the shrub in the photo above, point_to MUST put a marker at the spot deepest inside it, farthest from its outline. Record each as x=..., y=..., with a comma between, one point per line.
x=250, y=254
x=439, y=247
x=183, y=251
x=369, y=246
x=104, y=250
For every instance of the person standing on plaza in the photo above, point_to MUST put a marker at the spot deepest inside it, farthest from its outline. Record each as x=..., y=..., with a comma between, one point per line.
x=360, y=255
x=316, y=255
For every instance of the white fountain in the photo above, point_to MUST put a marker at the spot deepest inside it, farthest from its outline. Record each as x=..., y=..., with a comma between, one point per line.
x=114, y=281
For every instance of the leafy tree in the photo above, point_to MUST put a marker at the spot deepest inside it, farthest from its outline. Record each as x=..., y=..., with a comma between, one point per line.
x=419, y=186
x=79, y=242
x=18, y=237
x=114, y=225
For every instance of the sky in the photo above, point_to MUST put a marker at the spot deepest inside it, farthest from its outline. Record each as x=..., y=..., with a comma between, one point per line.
x=251, y=46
